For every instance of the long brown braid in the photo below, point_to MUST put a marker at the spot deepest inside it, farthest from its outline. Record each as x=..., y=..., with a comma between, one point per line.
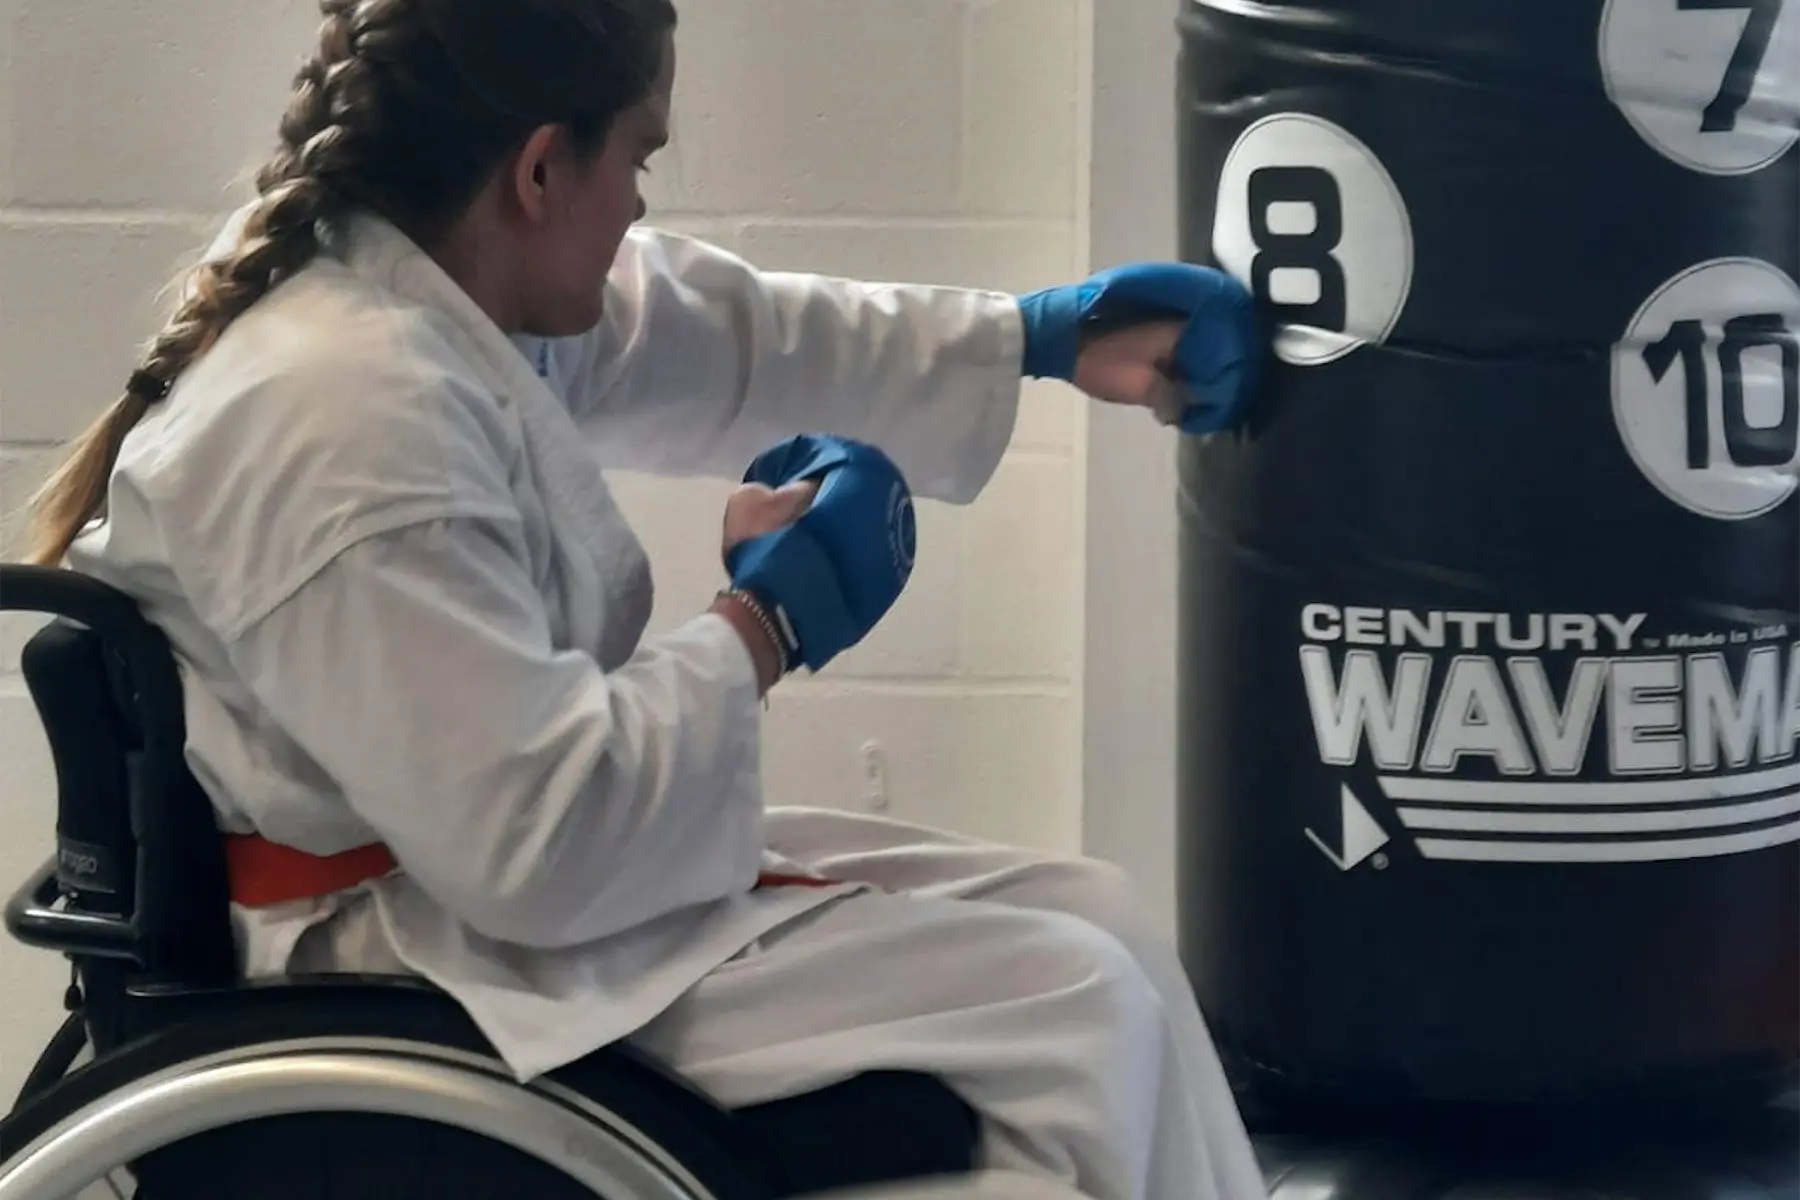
x=403, y=109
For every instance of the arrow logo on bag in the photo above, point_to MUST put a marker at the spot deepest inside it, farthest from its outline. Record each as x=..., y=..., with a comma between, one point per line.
x=1363, y=835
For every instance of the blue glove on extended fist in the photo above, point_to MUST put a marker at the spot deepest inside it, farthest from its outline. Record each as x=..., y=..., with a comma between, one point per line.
x=1217, y=357
x=835, y=572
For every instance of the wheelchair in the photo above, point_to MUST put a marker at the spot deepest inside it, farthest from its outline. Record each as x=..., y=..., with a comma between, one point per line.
x=341, y=1087
x=331, y=1087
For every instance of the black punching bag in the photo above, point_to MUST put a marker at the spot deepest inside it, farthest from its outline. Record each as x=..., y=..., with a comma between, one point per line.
x=1490, y=706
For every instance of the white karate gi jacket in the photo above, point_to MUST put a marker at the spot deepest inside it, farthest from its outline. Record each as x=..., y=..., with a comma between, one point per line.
x=407, y=609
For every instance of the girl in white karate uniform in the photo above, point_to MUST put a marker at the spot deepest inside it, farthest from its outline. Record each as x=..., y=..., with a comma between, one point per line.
x=357, y=480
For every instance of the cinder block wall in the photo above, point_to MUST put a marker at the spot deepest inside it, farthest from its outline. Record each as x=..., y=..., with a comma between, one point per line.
x=934, y=140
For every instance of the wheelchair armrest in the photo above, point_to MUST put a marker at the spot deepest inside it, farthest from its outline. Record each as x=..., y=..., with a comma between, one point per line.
x=159, y=1003
x=316, y=987
x=33, y=917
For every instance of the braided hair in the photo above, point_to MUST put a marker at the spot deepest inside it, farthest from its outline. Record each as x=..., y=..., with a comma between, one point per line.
x=404, y=109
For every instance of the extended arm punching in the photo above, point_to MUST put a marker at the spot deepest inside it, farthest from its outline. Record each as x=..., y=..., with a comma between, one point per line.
x=929, y=374
x=702, y=362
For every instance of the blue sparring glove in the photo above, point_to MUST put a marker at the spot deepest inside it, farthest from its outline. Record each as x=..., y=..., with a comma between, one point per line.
x=1218, y=357
x=832, y=574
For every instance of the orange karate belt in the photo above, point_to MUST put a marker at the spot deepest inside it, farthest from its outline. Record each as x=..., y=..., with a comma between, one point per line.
x=262, y=872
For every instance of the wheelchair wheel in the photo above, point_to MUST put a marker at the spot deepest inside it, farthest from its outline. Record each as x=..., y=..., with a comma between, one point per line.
x=366, y=1101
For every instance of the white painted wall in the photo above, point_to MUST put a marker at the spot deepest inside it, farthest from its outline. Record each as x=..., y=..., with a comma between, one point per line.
x=935, y=140
x=1128, y=684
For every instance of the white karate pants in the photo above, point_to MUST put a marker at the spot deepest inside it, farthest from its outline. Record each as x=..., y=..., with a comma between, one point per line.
x=1032, y=985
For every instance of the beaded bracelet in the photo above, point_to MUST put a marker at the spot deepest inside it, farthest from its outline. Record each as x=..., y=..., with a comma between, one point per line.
x=785, y=646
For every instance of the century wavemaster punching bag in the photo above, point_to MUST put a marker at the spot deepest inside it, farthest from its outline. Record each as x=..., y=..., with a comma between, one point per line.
x=1490, y=706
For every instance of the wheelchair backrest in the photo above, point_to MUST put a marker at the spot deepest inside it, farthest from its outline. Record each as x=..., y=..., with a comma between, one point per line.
x=139, y=865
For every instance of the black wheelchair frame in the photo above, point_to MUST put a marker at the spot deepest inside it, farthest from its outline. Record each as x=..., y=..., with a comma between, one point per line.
x=136, y=897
